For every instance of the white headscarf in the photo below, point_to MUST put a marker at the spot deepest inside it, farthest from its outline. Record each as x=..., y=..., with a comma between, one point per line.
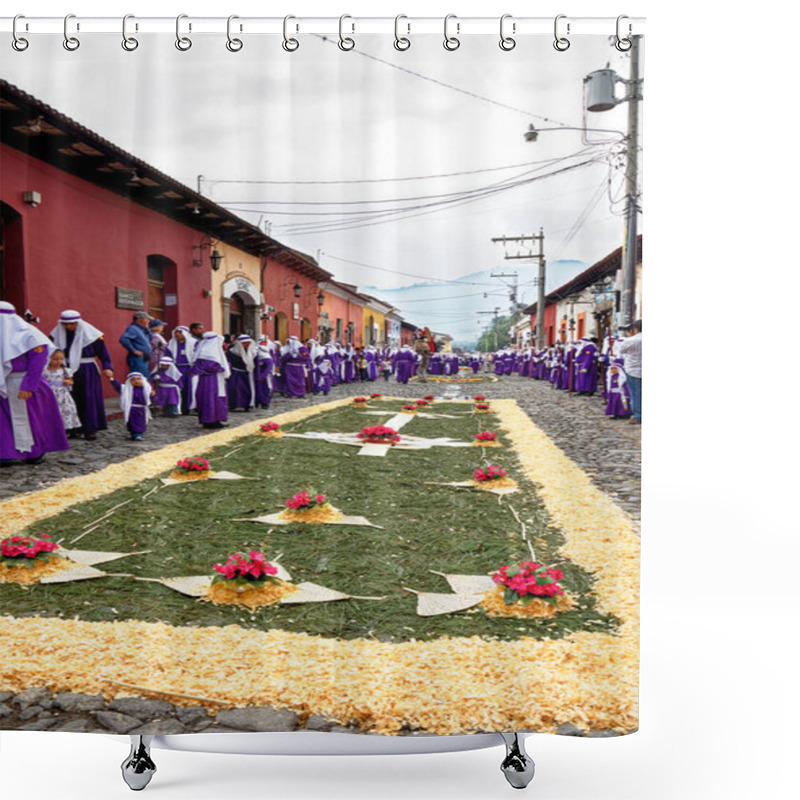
x=188, y=344
x=248, y=355
x=85, y=334
x=325, y=367
x=17, y=337
x=292, y=347
x=171, y=371
x=314, y=349
x=126, y=395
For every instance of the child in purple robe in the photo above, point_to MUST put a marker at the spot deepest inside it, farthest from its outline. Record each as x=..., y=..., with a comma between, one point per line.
x=618, y=404
x=241, y=384
x=264, y=373
x=134, y=400
x=168, y=382
x=210, y=371
x=323, y=377
x=295, y=366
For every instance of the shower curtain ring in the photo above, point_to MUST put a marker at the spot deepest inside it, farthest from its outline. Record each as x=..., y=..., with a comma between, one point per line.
x=70, y=42
x=129, y=43
x=345, y=42
x=290, y=44
x=234, y=45
x=19, y=43
x=507, y=42
x=623, y=44
x=451, y=42
x=401, y=42
x=183, y=43
x=561, y=43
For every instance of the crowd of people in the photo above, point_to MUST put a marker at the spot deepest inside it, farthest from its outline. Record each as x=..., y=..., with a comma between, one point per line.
x=52, y=387
x=612, y=370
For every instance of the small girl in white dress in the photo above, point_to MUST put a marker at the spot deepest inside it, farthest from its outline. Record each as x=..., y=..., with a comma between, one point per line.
x=60, y=379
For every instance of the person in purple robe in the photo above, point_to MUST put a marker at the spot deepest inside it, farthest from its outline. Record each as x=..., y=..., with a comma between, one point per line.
x=84, y=346
x=435, y=366
x=167, y=382
x=372, y=363
x=210, y=372
x=295, y=367
x=618, y=401
x=242, y=383
x=349, y=364
x=404, y=362
x=134, y=400
x=264, y=372
x=181, y=348
x=585, y=359
x=30, y=420
x=322, y=378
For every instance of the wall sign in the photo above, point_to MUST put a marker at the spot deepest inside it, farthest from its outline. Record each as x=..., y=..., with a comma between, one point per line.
x=129, y=298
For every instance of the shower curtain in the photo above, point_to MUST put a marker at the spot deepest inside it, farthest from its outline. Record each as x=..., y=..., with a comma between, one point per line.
x=321, y=395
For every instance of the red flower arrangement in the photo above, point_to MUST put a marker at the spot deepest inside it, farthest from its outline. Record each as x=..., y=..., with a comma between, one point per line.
x=489, y=474
x=486, y=436
x=379, y=434
x=360, y=401
x=528, y=581
x=375, y=395
x=410, y=409
x=27, y=550
x=481, y=408
x=250, y=570
x=193, y=464
x=479, y=398
x=270, y=427
x=422, y=403
x=429, y=397
x=303, y=501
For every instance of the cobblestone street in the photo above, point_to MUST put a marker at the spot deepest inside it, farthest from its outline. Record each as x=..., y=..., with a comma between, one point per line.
x=607, y=449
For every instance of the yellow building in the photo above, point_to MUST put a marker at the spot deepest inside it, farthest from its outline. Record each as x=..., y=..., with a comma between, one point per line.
x=374, y=313
x=237, y=301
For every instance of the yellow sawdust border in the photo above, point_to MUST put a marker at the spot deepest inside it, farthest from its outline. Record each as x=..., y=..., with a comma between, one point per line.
x=448, y=686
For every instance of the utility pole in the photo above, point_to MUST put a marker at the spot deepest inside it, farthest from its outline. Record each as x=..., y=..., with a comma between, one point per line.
x=540, y=340
x=496, y=314
x=633, y=95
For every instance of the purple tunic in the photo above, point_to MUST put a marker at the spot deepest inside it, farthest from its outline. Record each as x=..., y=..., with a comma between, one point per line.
x=263, y=380
x=618, y=403
x=87, y=389
x=405, y=361
x=42, y=407
x=137, y=417
x=294, y=374
x=239, y=393
x=586, y=370
x=211, y=407
x=322, y=380
x=168, y=391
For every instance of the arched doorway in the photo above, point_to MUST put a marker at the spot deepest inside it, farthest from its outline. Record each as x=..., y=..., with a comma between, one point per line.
x=12, y=265
x=305, y=329
x=162, y=297
x=236, y=316
x=281, y=327
x=241, y=307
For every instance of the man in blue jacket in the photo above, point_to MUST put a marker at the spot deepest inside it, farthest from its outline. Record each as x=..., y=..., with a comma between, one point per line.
x=136, y=340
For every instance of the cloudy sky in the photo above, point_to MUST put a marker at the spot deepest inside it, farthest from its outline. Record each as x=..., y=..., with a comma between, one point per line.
x=392, y=168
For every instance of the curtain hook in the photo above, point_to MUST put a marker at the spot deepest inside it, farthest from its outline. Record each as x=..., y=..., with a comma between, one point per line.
x=451, y=42
x=183, y=43
x=507, y=42
x=70, y=42
x=289, y=44
x=345, y=43
x=623, y=44
x=19, y=43
x=129, y=43
x=561, y=43
x=401, y=42
x=234, y=45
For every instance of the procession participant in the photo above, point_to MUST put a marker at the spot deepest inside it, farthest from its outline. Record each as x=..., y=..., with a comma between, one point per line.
x=209, y=372
x=83, y=343
x=134, y=401
x=631, y=351
x=372, y=363
x=197, y=330
x=60, y=379
x=136, y=339
x=242, y=384
x=618, y=405
x=181, y=347
x=263, y=375
x=158, y=344
x=404, y=363
x=423, y=350
x=322, y=377
x=585, y=360
x=168, y=382
x=349, y=364
x=475, y=364
x=435, y=364
x=295, y=365
x=30, y=422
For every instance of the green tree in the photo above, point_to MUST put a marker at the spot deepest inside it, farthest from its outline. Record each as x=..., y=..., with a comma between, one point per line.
x=497, y=335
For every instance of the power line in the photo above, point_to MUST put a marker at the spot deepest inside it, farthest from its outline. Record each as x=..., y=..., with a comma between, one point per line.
x=408, y=274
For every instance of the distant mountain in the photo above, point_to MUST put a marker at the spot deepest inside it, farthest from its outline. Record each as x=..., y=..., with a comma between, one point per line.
x=463, y=307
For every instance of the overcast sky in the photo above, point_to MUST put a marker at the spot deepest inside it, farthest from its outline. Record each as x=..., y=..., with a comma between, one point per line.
x=323, y=115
